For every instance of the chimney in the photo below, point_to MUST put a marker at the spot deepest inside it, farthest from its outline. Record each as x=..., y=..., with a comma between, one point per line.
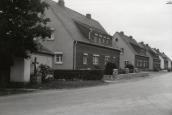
x=88, y=16
x=61, y=3
x=121, y=32
x=131, y=37
x=142, y=43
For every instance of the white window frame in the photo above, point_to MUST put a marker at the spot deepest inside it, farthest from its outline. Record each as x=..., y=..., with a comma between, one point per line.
x=52, y=36
x=96, y=59
x=61, y=58
x=85, y=58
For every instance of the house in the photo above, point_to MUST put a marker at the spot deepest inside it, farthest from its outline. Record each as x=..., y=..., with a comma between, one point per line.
x=154, y=60
x=165, y=60
x=169, y=64
x=78, y=42
x=131, y=51
x=162, y=60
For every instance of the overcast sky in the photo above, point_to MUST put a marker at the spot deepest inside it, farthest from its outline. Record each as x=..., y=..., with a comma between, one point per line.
x=146, y=20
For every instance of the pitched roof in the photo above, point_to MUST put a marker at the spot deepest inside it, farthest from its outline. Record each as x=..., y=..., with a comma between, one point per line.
x=162, y=54
x=68, y=17
x=132, y=43
x=153, y=53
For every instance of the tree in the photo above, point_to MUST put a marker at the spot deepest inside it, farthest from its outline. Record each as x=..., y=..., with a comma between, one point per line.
x=21, y=21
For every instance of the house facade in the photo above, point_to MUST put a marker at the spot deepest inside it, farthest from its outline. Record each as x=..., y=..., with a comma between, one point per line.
x=154, y=60
x=78, y=41
x=164, y=64
x=131, y=51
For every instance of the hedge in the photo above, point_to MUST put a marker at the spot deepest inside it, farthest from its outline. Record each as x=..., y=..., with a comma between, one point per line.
x=78, y=74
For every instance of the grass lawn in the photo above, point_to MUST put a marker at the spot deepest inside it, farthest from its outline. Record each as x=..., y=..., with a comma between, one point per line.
x=58, y=84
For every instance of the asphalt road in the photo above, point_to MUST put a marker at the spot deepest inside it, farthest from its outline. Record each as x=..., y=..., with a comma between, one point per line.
x=148, y=96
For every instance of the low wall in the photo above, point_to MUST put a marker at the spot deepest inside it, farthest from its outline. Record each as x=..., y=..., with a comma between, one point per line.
x=125, y=76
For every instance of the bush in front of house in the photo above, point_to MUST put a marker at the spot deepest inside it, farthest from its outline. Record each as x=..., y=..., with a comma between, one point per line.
x=121, y=71
x=46, y=72
x=130, y=67
x=109, y=68
x=78, y=75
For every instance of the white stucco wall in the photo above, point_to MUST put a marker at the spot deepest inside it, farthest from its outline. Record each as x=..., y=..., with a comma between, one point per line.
x=169, y=64
x=20, y=71
x=41, y=59
x=63, y=41
x=162, y=62
x=127, y=55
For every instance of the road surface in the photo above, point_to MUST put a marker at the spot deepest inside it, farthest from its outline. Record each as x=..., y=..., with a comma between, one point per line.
x=148, y=96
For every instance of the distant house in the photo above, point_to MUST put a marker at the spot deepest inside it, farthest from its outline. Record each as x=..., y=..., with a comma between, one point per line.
x=78, y=41
x=131, y=51
x=154, y=60
x=169, y=64
x=163, y=59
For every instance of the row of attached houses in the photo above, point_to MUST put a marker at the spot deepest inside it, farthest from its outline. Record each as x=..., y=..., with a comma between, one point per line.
x=79, y=42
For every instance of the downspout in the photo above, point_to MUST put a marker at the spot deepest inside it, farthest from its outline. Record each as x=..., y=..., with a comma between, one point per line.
x=74, y=54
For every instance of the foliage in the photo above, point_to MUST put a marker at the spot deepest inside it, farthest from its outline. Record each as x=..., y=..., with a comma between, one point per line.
x=46, y=73
x=130, y=67
x=109, y=68
x=78, y=74
x=21, y=22
x=121, y=71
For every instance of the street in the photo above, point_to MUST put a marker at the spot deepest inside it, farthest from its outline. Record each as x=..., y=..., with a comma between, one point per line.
x=147, y=96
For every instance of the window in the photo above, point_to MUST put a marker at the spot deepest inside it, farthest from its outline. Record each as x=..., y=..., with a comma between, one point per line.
x=103, y=40
x=114, y=59
x=51, y=38
x=95, y=59
x=122, y=50
x=126, y=62
x=107, y=58
x=52, y=35
x=58, y=57
x=107, y=41
x=85, y=58
x=95, y=39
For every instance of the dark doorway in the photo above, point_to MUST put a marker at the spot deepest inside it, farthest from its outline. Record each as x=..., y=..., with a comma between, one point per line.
x=4, y=76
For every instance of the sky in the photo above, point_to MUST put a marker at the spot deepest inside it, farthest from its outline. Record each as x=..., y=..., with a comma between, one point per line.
x=149, y=21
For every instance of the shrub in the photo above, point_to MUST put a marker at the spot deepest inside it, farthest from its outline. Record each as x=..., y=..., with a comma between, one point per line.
x=46, y=72
x=78, y=74
x=94, y=75
x=109, y=68
x=130, y=67
x=121, y=71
